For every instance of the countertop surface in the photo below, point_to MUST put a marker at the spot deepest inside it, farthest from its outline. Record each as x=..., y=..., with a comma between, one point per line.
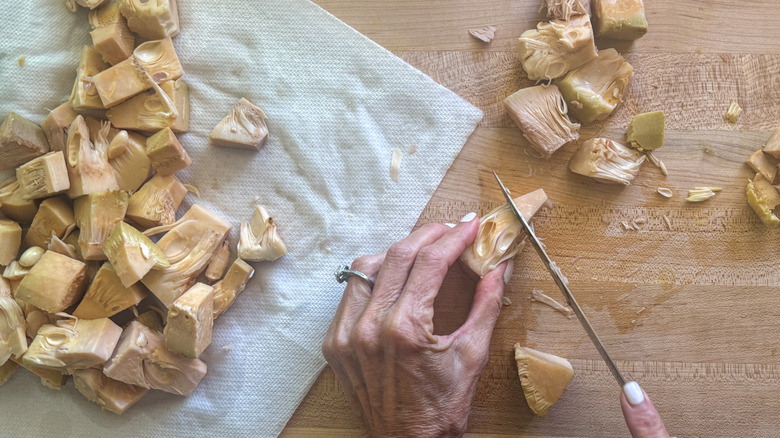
x=689, y=311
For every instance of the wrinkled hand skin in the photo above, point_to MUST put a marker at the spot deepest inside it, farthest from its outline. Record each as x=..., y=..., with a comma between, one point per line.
x=643, y=421
x=400, y=378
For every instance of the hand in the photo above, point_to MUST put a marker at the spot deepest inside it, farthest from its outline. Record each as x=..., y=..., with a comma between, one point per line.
x=400, y=378
x=641, y=417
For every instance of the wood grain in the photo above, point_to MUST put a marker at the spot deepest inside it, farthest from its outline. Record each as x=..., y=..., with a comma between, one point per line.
x=690, y=312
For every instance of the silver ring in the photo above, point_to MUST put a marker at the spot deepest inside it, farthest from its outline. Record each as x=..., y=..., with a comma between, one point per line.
x=343, y=273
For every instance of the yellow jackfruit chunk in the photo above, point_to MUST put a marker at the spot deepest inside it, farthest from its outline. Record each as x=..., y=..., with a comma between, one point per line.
x=13, y=326
x=772, y=147
x=54, y=284
x=767, y=167
x=110, y=34
x=763, y=198
x=151, y=319
x=127, y=156
x=96, y=216
x=500, y=233
x=112, y=395
x=556, y=47
x=541, y=113
x=84, y=98
x=565, y=9
x=20, y=141
x=73, y=344
x=595, y=89
x=56, y=124
x=190, y=320
x=154, y=110
x=10, y=241
x=13, y=204
x=189, y=244
x=166, y=153
x=646, y=131
x=141, y=359
x=151, y=63
x=607, y=161
x=107, y=296
x=544, y=378
x=155, y=204
x=52, y=379
x=260, y=240
x=227, y=289
x=7, y=370
x=55, y=215
x=243, y=128
x=620, y=19
x=151, y=19
x=87, y=159
x=44, y=176
x=132, y=254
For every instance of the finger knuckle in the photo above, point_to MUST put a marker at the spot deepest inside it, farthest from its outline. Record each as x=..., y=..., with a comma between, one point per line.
x=433, y=255
x=364, y=339
x=402, y=253
x=649, y=422
x=364, y=263
x=396, y=331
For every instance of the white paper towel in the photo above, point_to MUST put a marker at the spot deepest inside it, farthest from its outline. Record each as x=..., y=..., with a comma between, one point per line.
x=337, y=104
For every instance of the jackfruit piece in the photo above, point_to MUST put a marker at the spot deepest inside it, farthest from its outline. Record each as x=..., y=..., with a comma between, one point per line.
x=219, y=263
x=112, y=395
x=132, y=254
x=565, y=9
x=155, y=204
x=541, y=113
x=84, y=98
x=91, y=4
x=15, y=272
x=151, y=319
x=10, y=241
x=152, y=110
x=152, y=20
x=152, y=62
x=620, y=19
x=110, y=34
x=54, y=284
x=7, y=370
x=55, y=215
x=96, y=216
x=107, y=296
x=260, y=240
x=243, y=128
x=141, y=359
x=544, y=378
x=189, y=244
x=13, y=327
x=646, y=131
x=607, y=161
x=763, y=198
x=556, y=47
x=5, y=288
x=227, y=289
x=127, y=156
x=595, y=89
x=762, y=164
x=500, y=236
x=166, y=153
x=190, y=319
x=73, y=344
x=44, y=176
x=772, y=147
x=20, y=141
x=87, y=160
x=55, y=126
x=13, y=204
x=52, y=379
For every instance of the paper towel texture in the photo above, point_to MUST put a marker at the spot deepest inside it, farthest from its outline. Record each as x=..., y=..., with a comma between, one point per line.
x=337, y=105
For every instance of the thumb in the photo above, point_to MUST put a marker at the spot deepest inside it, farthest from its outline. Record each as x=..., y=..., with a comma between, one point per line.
x=642, y=419
x=478, y=328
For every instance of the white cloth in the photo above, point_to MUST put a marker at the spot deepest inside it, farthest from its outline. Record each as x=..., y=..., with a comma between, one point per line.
x=337, y=105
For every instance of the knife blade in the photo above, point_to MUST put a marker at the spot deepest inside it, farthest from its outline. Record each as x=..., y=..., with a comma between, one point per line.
x=563, y=285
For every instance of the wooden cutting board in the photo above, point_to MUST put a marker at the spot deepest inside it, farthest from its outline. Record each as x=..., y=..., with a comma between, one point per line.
x=691, y=312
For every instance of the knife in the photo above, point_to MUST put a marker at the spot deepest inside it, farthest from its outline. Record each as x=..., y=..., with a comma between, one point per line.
x=558, y=277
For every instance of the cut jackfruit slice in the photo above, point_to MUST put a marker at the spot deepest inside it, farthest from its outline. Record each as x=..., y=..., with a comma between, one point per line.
x=544, y=378
x=607, y=161
x=554, y=48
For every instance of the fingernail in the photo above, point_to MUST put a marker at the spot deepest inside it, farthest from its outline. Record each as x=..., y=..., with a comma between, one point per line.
x=449, y=224
x=469, y=217
x=508, y=271
x=634, y=393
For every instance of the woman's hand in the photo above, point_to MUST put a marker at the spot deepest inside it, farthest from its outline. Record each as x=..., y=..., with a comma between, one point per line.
x=400, y=378
x=641, y=417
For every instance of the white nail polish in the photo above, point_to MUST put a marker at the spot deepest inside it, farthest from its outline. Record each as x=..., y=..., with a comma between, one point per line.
x=451, y=225
x=469, y=217
x=634, y=393
x=508, y=272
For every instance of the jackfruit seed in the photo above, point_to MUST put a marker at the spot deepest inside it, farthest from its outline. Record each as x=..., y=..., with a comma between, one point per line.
x=541, y=113
x=31, y=256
